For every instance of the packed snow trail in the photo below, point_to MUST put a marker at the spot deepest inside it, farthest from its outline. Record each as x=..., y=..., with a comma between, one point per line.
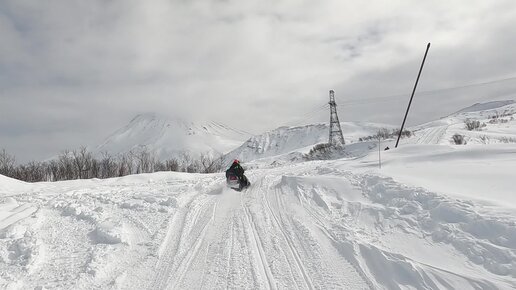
x=310, y=225
x=432, y=135
x=226, y=239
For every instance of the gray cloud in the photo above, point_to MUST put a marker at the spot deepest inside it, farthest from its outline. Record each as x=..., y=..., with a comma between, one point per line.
x=73, y=71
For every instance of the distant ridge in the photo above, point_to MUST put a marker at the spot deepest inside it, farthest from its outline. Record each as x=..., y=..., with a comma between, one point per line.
x=485, y=106
x=288, y=139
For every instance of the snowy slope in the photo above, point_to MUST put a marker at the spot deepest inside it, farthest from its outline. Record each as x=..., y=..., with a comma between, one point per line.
x=287, y=139
x=287, y=142
x=9, y=185
x=498, y=117
x=339, y=224
x=171, y=138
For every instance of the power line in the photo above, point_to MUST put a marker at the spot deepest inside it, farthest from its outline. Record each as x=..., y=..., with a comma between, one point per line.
x=390, y=97
x=315, y=115
x=381, y=99
x=307, y=116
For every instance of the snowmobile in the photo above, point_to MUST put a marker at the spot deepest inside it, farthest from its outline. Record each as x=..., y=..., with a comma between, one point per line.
x=235, y=183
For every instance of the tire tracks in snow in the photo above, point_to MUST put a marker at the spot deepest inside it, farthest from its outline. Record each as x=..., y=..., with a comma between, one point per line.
x=179, y=250
x=324, y=224
x=433, y=135
x=194, y=249
x=291, y=247
x=258, y=245
x=295, y=250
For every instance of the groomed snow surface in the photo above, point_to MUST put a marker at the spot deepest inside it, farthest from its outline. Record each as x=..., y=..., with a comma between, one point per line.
x=341, y=224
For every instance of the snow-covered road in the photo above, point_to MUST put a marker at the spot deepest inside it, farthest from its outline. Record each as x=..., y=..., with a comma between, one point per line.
x=301, y=226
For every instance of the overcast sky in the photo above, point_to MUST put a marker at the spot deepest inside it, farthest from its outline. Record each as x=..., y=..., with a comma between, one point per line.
x=71, y=72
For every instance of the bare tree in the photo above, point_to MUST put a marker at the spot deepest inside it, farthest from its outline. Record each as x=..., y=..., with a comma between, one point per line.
x=7, y=163
x=53, y=170
x=82, y=161
x=66, y=166
x=186, y=161
x=172, y=165
x=145, y=160
x=210, y=164
x=125, y=164
x=80, y=164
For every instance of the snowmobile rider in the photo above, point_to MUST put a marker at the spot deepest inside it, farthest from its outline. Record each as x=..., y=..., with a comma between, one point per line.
x=238, y=170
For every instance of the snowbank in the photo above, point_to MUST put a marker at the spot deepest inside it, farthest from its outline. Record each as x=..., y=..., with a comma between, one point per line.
x=480, y=172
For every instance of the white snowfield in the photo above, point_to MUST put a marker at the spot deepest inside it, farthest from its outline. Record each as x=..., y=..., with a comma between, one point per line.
x=497, y=119
x=435, y=216
x=341, y=224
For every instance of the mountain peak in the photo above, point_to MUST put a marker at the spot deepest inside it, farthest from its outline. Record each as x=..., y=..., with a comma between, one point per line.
x=171, y=137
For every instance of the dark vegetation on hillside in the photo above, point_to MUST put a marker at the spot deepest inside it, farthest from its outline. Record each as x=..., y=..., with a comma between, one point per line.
x=325, y=151
x=81, y=164
x=385, y=133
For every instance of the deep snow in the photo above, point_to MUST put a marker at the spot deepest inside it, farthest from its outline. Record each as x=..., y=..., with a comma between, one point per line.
x=322, y=224
x=435, y=216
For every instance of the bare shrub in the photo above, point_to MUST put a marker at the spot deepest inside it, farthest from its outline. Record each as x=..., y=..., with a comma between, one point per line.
x=404, y=134
x=473, y=124
x=384, y=133
x=324, y=151
x=458, y=139
x=505, y=139
x=496, y=120
x=484, y=139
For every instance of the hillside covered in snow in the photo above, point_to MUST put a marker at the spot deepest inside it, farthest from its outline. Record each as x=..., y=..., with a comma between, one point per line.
x=496, y=122
x=171, y=138
x=436, y=215
x=301, y=138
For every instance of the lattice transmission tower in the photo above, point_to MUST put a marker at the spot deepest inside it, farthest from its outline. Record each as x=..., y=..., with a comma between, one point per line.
x=336, y=137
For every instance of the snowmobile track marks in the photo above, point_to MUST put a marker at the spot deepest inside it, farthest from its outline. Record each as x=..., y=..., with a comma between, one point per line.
x=258, y=245
x=193, y=251
x=291, y=247
x=178, y=253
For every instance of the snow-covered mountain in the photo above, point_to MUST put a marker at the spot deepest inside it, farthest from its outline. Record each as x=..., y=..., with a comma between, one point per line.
x=172, y=137
x=169, y=138
x=496, y=119
x=287, y=139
